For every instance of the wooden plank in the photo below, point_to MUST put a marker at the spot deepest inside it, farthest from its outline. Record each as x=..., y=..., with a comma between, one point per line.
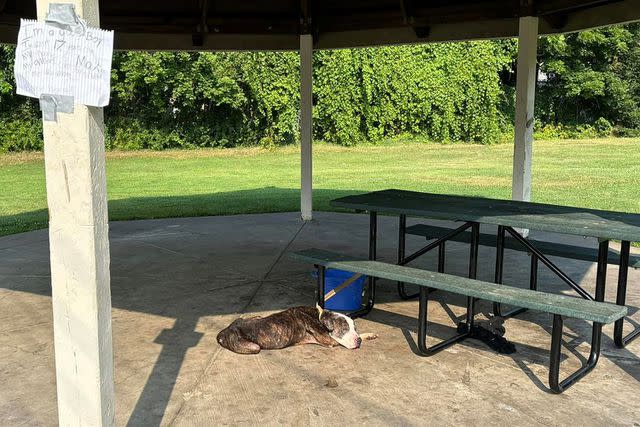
x=537, y=216
x=578, y=308
x=548, y=248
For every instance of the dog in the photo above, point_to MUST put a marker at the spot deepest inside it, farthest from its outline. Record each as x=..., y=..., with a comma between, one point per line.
x=294, y=326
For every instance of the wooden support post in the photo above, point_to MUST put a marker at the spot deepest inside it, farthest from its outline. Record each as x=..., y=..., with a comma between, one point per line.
x=306, y=93
x=525, y=97
x=79, y=254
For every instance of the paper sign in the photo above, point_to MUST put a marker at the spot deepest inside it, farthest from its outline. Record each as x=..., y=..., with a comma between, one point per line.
x=73, y=61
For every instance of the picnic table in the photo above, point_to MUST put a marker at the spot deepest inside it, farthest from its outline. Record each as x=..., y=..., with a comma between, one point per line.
x=510, y=217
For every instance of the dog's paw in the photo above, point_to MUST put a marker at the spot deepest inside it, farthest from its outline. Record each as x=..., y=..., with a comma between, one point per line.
x=368, y=336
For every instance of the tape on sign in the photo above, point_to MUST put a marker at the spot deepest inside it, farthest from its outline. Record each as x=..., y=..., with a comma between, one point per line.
x=50, y=105
x=63, y=15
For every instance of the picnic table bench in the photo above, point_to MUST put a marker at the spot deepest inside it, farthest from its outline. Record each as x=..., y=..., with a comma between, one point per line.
x=509, y=216
x=562, y=250
x=558, y=305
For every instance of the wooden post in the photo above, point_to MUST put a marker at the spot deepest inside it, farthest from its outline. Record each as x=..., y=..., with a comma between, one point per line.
x=306, y=93
x=79, y=254
x=525, y=97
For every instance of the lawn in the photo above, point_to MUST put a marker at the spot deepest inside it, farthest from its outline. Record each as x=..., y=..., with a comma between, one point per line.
x=603, y=174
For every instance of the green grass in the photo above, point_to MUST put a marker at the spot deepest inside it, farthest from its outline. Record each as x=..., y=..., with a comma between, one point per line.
x=602, y=174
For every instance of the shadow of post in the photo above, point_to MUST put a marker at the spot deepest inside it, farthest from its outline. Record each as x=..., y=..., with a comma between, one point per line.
x=155, y=396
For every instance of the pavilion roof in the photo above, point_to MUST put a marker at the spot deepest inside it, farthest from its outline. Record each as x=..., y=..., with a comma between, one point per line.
x=276, y=24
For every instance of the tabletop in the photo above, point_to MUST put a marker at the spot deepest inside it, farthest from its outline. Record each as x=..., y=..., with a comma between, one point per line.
x=536, y=216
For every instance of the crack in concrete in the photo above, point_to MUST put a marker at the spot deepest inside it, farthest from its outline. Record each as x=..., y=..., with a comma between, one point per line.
x=273, y=265
x=172, y=251
x=20, y=245
x=22, y=328
x=214, y=357
x=287, y=287
x=26, y=276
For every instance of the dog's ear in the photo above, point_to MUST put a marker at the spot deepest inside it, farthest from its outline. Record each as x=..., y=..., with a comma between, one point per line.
x=325, y=317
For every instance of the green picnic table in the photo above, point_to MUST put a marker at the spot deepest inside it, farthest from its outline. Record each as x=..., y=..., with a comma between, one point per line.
x=508, y=216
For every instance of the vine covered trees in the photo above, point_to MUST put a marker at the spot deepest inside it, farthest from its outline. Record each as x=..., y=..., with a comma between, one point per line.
x=442, y=92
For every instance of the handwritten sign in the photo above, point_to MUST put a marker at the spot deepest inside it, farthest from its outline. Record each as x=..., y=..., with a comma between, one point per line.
x=73, y=61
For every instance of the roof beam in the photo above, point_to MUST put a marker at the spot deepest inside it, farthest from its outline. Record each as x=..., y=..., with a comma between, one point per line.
x=567, y=6
x=527, y=8
x=406, y=6
x=202, y=29
x=239, y=25
x=217, y=24
x=557, y=21
x=408, y=16
x=305, y=17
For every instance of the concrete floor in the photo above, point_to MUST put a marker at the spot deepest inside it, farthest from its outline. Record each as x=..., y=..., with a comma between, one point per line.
x=177, y=282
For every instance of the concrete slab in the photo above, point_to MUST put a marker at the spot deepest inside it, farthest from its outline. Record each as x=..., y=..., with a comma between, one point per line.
x=177, y=282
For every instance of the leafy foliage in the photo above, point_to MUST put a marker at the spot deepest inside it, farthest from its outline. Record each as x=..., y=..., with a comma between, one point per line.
x=591, y=75
x=442, y=92
x=20, y=124
x=448, y=92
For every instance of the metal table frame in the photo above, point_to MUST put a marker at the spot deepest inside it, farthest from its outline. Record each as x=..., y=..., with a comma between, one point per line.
x=619, y=338
x=555, y=384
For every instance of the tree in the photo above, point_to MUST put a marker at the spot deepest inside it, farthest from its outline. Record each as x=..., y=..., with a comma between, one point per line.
x=590, y=74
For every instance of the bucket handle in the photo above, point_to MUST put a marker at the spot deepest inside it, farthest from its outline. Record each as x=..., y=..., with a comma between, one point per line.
x=341, y=286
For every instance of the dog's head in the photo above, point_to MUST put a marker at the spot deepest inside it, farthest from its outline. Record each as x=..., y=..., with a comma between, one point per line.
x=341, y=328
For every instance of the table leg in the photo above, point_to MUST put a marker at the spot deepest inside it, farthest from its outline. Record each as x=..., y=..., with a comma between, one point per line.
x=499, y=274
x=621, y=340
x=533, y=273
x=371, y=282
x=473, y=250
x=423, y=349
x=402, y=237
x=473, y=270
x=441, y=255
x=321, y=275
x=555, y=384
x=601, y=275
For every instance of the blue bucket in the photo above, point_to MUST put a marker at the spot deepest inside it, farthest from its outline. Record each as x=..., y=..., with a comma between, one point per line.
x=348, y=299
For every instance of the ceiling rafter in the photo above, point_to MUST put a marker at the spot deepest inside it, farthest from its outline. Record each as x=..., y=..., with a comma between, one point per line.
x=567, y=6
x=202, y=28
x=276, y=24
x=305, y=17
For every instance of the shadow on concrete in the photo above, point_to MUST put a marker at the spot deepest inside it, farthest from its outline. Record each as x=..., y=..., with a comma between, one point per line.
x=152, y=403
x=187, y=296
x=257, y=200
x=577, y=331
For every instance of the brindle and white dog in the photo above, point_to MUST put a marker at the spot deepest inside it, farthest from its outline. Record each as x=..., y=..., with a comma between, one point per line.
x=294, y=326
